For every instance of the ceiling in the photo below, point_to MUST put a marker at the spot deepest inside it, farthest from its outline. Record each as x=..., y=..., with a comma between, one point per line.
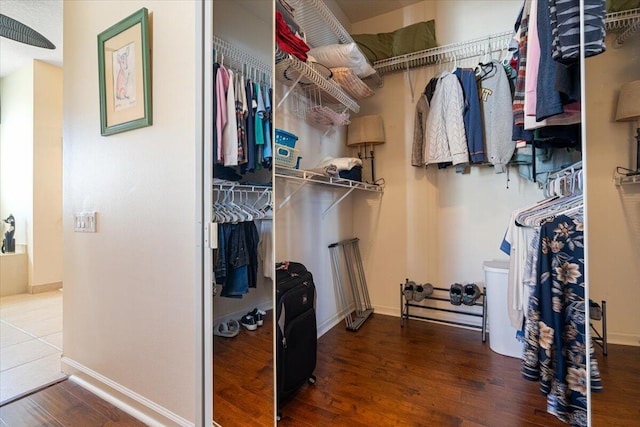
x=43, y=16
x=358, y=10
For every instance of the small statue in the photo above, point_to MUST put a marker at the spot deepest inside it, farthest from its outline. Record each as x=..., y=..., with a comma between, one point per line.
x=9, y=242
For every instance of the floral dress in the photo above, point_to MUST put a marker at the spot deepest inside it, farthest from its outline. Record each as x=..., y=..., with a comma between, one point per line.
x=555, y=348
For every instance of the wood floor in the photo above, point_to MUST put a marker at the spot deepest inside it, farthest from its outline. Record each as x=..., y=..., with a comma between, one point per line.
x=64, y=404
x=243, y=377
x=432, y=375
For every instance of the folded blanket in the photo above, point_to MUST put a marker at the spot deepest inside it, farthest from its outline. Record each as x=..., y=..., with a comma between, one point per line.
x=341, y=163
x=328, y=170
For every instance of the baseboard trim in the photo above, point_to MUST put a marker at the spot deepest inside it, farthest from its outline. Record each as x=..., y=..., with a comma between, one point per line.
x=45, y=287
x=328, y=324
x=120, y=396
x=623, y=339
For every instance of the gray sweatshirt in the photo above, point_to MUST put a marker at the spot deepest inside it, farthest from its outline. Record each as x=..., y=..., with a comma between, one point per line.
x=497, y=116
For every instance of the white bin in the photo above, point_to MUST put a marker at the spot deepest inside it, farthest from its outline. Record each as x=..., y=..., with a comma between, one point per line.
x=502, y=336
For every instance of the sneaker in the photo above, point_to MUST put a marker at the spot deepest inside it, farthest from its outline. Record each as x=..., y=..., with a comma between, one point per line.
x=249, y=322
x=428, y=289
x=409, y=290
x=227, y=329
x=455, y=294
x=595, y=312
x=471, y=294
x=258, y=316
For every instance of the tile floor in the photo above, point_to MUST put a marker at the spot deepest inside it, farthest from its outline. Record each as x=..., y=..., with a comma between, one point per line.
x=30, y=342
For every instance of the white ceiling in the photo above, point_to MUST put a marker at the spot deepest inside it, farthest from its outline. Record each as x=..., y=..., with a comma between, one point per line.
x=358, y=10
x=44, y=16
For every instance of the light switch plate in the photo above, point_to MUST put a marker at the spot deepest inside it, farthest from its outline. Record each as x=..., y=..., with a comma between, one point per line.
x=84, y=222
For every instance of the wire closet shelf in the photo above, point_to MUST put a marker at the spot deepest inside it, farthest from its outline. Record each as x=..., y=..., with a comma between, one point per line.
x=624, y=24
x=239, y=60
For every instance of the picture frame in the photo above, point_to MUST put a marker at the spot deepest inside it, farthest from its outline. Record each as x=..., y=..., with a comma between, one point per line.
x=124, y=73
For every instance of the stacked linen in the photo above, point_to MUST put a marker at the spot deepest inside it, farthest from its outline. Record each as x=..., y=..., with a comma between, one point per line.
x=343, y=167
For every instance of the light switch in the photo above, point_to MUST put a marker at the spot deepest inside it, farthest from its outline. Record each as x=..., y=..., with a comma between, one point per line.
x=84, y=222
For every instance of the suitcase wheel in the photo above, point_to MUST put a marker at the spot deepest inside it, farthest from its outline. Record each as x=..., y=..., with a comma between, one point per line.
x=312, y=379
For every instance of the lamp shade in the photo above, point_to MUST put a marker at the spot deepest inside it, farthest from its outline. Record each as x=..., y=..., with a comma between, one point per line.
x=365, y=130
x=629, y=102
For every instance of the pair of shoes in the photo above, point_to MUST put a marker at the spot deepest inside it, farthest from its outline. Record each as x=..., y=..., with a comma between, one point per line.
x=415, y=292
x=253, y=319
x=228, y=329
x=467, y=294
x=422, y=291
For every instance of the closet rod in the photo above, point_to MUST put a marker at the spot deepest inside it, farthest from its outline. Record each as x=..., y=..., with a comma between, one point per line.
x=447, y=53
x=573, y=167
x=241, y=187
x=240, y=60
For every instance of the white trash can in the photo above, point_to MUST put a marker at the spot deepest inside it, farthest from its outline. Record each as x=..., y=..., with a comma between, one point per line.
x=502, y=336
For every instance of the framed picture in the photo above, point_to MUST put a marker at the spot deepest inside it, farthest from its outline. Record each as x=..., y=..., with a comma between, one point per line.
x=124, y=72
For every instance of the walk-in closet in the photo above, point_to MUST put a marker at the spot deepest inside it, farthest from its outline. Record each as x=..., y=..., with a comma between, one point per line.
x=430, y=307
x=239, y=184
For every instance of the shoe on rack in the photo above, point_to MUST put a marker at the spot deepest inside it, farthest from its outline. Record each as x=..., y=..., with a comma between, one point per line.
x=428, y=289
x=455, y=294
x=595, y=311
x=418, y=293
x=258, y=316
x=471, y=294
x=249, y=322
x=409, y=289
x=227, y=329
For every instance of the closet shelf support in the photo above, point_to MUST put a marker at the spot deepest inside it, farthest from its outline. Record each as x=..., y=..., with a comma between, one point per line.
x=337, y=202
x=286, y=200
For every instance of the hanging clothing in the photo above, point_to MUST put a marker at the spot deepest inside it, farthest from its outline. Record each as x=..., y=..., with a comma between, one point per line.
x=519, y=90
x=419, y=131
x=495, y=103
x=230, y=132
x=565, y=28
x=241, y=113
x=251, y=111
x=445, y=138
x=236, y=266
x=556, y=341
x=222, y=84
x=472, y=115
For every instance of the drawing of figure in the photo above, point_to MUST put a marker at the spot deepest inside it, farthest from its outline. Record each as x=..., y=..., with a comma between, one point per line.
x=123, y=75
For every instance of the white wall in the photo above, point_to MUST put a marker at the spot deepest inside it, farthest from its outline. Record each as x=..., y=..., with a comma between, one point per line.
x=613, y=212
x=31, y=158
x=301, y=232
x=45, y=252
x=16, y=151
x=130, y=288
x=432, y=225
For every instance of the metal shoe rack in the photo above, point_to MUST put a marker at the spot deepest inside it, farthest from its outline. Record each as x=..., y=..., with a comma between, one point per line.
x=406, y=305
x=357, y=284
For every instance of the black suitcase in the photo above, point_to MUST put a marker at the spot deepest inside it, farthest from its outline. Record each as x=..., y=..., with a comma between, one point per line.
x=296, y=331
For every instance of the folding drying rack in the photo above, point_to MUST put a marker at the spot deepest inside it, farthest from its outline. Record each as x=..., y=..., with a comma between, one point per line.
x=357, y=284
